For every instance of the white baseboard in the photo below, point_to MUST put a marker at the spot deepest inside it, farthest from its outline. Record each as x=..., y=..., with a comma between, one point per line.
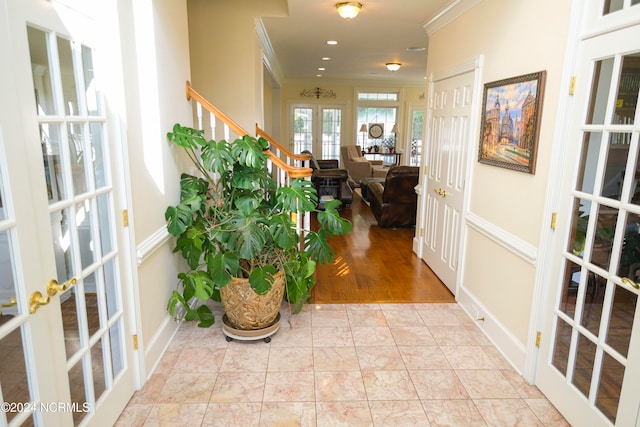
x=506, y=343
x=157, y=345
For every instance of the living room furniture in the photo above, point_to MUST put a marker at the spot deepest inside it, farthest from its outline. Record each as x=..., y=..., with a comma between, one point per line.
x=394, y=201
x=330, y=180
x=360, y=167
x=395, y=157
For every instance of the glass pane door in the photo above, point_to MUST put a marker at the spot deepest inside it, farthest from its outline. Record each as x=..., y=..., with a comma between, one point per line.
x=595, y=338
x=317, y=129
x=302, y=129
x=417, y=129
x=62, y=322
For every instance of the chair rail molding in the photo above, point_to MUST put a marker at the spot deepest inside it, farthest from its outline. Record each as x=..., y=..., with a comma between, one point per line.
x=151, y=244
x=505, y=239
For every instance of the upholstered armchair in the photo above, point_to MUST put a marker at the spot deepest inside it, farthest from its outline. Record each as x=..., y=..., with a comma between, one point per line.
x=394, y=203
x=330, y=180
x=358, y=166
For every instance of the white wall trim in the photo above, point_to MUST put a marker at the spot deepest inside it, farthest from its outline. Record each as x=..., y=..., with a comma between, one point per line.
x=450, y=12
x=465, y=67
x=504, y=341
x=152, y=244
x=155, y=348
x=269, y=57
x=505, y=239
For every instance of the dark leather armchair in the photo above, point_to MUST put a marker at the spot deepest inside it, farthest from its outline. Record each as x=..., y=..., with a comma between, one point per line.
x=330, y=180
x=394, y=202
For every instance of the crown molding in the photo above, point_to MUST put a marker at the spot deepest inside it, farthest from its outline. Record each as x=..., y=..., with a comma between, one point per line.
x=269, y=55
x=450, y=12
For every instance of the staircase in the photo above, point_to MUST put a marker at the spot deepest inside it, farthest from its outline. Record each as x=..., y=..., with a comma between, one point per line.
x=283, y=164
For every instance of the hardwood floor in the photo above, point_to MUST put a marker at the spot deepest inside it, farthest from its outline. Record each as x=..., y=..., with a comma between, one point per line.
x=376, y=265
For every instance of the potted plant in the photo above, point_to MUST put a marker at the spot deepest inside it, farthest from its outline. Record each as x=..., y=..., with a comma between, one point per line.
x=234, y=227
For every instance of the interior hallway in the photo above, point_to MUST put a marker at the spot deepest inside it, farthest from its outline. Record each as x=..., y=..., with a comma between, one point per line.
x=365, y=363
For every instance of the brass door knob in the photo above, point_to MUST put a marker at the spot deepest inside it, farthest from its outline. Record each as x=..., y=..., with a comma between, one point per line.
x=630, y=282
x=54, y=287
x=37, y=300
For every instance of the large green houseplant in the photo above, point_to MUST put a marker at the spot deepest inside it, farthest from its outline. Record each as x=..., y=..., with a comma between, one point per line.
x=233, y=221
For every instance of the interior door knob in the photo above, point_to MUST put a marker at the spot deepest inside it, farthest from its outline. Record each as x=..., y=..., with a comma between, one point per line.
x=12, y=301
x=37, y=300
x=54, y=287
x=630, y=282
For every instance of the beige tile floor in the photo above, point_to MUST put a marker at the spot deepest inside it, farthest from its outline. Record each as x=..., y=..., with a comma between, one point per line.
x=342, y=365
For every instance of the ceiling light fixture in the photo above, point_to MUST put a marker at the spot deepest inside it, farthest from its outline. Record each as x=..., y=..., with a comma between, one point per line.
x=348, y=10
x=393, y=66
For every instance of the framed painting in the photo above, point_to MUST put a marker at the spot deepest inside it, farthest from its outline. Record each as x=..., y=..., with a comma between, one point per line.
x=510, y=125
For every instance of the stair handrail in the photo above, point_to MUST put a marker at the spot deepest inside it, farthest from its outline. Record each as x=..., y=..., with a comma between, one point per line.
x=291, y=170
x=290, y=155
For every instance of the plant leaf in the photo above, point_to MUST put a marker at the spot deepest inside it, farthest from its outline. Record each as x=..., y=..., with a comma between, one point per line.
x=283, y=231
x=261, y=279
x=206, y=316
x=299, y=196
x=216, y=156
x=248, y=151
x=331, y=221
x=186, y=137
x=222, y=267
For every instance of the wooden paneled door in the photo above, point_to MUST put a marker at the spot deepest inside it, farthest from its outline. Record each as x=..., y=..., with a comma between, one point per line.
x=65, y=356
x=445, y=166
x=588, y=365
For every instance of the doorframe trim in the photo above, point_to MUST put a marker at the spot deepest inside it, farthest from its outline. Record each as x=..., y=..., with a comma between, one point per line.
x=543, y=277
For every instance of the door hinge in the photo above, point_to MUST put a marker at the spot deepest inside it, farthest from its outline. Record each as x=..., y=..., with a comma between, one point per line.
x=135, y=342
x=125, y=218
x=538, y=338
x=572, y=85
x=554, y=220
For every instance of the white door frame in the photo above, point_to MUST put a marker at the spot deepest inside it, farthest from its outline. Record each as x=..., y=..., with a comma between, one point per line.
x=582, y=28
x=543, y=277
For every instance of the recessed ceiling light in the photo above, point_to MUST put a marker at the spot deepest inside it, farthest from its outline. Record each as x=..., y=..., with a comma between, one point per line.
x=326, y=58
x=321, y=69
x=332, y=42
x=416, y=49
x=318, y=75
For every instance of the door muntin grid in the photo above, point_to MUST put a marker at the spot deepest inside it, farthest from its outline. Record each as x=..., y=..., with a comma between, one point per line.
x=595, y=309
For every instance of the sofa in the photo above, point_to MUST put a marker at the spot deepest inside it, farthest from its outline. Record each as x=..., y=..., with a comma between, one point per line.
x=330, y=180
x=360, y=167
x=394, y=202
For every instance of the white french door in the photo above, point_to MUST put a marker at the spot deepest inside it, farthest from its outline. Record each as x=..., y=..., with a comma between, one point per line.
x=317, y=129
x=590, y=349
x=65, y=359
x=444, y=184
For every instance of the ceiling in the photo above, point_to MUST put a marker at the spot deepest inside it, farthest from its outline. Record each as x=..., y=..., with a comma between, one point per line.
x=381, y=33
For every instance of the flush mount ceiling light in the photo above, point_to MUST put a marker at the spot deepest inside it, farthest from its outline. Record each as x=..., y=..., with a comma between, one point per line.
x=348, y=10
x=393, y=66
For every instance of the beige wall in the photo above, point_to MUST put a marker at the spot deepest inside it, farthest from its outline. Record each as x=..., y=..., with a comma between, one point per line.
x=515, y=38
x=155, y=52
x=226, y=57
